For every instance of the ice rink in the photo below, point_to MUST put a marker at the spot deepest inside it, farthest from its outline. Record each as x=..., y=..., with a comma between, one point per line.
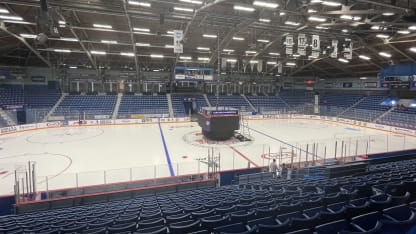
x=86, y=155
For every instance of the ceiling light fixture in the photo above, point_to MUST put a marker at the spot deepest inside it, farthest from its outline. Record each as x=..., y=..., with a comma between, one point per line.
x=68, y=39
x=183, y=9
x=238, y=38
x=142, y=44
x=192, y=1
x=228, y=50
x=62, y=50
x=264, y=20
x=290, y=64
x=203, y=48
x=403, y=32
x=292, y=23
x=265, y=4
x=98, y=52
x=274, y=53
x=141, y=29
x=322, y=27
x=127, y=54
x=28, y=36
x=185, y=57
x=250, y=52
x=156, y=55
x=143, y=4
x=5, y=11
x=413, y=49
x=243, y=8
x=364, y=57
x=343, y=60
x=388, y=13
x=253, y=62
x=413, y=27
x=316, y=19
x=203, y=59
x=263, y=40
x=330, y=3
x=209, y=35
x=109, y=42
x=375, y=27
x=385, y=54
x=271, y=63
x=382, y=36
x=102, y=26
x=232, y=60
x=11, y=17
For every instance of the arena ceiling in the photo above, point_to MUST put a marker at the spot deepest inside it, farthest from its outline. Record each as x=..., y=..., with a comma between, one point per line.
x=135, y=34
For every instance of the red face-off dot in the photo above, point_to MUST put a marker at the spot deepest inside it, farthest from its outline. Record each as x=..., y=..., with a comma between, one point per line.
x=184, y=157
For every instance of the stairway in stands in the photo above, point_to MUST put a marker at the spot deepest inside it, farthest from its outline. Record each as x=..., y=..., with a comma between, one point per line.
x=117, y=106
x=207, y=100
x=384, y=114
x=63, y=95
x=248, y=101
x=9, y=121
x=353, y=105
x=169, y=97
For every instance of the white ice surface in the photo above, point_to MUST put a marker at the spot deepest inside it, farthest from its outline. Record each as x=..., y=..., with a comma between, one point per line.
x=67, y=157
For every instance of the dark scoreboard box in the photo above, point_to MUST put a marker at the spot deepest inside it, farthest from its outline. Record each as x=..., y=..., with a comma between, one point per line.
x=219, y=124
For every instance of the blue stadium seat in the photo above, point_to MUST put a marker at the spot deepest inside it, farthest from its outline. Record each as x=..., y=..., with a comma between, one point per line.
x=151, y=222
x=101, y=230
x=380, y=202
x=398, y=219
x=154, y=230
x=185, y=226
x=369, y=222
x=237, y=228
x=214, y=221
x=334, y=227
x=117, y=228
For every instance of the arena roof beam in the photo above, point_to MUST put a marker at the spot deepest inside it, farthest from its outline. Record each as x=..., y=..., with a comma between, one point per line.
x=339, y=67
x=136, y=63
x=228, y=38
x=401, y=52
x=92, y=60
x=327, y=74
x=378, y=3
x=188, y=25
x=301, y=68
x=21, y=39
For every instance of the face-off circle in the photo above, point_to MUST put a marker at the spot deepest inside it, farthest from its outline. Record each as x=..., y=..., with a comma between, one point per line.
x=63, y=135
x=196, y=138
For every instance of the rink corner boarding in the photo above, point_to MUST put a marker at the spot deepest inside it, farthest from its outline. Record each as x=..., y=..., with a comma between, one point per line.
x=115, y=122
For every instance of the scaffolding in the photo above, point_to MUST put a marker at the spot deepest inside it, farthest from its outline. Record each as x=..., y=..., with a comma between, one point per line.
x=244, y=134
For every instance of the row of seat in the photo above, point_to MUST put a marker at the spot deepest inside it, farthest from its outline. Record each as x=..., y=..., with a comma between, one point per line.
x=88, y=104
x=387, y=185
x=145, y=104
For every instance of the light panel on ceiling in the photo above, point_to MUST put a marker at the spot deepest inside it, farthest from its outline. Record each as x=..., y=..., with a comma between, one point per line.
x=142, y=4
x=265, y=4
x=183, y=9
x=385, y=54
x=11, y=17
x=106, y=26
x=192, y=1
x=243, y=8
